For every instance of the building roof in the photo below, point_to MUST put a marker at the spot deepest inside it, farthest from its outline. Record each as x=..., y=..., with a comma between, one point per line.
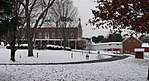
x=107, y=43
x=131, y=37
x=145, y=45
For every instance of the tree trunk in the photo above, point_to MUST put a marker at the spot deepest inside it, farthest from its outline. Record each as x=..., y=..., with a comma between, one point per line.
x=148, y=74
x=30, y=47
x=29, y=33
x=64, y=43
x=0, y=41
x=13, y=50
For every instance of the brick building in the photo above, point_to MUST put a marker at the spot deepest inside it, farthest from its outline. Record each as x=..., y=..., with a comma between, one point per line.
x=53, y=36
x=130, y=44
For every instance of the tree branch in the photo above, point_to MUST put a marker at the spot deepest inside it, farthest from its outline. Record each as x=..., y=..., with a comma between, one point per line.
x=42, y=14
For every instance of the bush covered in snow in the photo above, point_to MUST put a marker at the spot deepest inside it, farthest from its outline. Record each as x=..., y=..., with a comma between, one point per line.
x=56, y=47
x=22, y=46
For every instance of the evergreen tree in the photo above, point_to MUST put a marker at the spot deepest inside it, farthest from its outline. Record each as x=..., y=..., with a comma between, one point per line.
x=100, y=38
x=95, y=39
x=114, y=38
x=9, y=22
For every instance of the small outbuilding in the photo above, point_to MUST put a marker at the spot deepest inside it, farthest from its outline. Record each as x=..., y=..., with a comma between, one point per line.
x=108, y=46
x=139, y=53
x=129, y=44
x=146, y=49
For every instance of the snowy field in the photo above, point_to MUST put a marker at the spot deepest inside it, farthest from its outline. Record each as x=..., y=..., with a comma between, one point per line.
x=129, y=69
x=50, y=56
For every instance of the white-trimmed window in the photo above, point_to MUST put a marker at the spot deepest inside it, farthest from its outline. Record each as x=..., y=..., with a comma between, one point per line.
x=53, y=35
x=46, y=35
x=40, y=35
x=72, y=35
x=59, y=35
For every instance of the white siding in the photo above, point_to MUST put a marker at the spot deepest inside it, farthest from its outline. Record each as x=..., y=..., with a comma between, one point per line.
x=110, y=45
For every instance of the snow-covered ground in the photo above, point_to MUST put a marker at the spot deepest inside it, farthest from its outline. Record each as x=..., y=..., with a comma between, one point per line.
x=49, y=56
x=129, y=69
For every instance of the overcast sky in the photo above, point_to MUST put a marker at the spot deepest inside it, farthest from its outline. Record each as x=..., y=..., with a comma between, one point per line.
x=84, y=9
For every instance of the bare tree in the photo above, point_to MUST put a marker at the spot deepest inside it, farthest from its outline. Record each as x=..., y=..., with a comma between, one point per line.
x=35, y=13
x=64, y=15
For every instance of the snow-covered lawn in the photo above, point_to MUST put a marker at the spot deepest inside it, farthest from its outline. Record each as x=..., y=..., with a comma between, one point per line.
x=129, y=69
x=49, y=56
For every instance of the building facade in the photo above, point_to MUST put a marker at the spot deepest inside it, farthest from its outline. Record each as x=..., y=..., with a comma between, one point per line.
x=109, y=46
x=130, y=44
x=127, y=46
x=54, y=36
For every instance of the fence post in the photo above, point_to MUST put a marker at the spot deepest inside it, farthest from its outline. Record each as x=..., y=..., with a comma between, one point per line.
x=148, y=74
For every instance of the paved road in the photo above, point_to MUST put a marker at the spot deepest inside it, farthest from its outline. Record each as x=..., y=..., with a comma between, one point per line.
x=114, y=58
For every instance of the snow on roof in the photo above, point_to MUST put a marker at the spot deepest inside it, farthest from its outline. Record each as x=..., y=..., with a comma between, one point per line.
x=145, y=45
x=139, y=49
x=108, y=43
x=131, y=37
